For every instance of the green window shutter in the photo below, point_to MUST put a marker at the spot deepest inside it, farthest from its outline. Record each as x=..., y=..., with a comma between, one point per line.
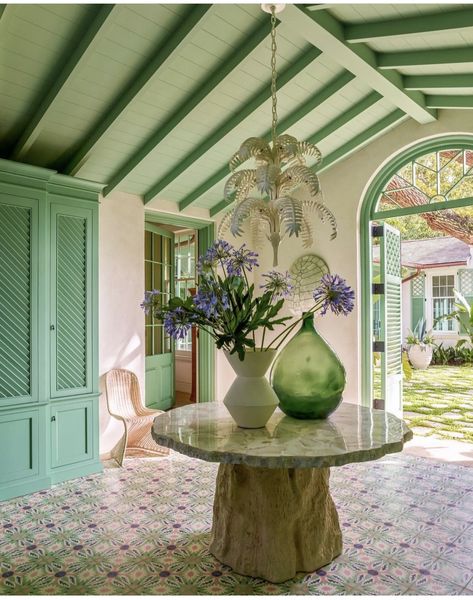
x=15, y=301
x=71, y=308
x=465, y=287
x=417, y=299
x=390, y=317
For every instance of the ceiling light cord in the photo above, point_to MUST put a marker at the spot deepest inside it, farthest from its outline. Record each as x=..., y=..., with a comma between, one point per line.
x=274, y=100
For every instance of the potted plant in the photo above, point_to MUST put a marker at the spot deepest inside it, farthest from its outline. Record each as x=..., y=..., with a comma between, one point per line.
x=420, y=346
x=229, y=309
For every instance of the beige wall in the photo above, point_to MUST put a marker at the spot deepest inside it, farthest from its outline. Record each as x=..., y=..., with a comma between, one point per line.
x=121, y=256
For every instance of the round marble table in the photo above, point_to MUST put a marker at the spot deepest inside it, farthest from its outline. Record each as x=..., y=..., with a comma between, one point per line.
x=273, y=514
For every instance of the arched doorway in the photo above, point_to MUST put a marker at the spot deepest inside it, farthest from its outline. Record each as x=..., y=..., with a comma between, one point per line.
x=373, y=211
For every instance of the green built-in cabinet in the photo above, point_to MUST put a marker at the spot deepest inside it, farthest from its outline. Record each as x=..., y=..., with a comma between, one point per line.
x=48, y=328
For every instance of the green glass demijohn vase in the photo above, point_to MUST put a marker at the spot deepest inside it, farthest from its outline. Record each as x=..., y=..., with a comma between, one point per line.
x=307, y=375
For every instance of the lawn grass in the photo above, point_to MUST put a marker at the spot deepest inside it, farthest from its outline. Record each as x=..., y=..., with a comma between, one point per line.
x=449, y=387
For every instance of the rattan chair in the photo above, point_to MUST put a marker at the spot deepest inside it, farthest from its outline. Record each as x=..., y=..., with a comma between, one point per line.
x=124, y=403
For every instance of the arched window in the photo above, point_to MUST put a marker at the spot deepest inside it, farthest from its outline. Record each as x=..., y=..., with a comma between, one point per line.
x=434, y=177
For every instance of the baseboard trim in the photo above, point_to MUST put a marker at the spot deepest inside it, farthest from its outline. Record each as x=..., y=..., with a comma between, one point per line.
x=14, y=490
x=76, y=471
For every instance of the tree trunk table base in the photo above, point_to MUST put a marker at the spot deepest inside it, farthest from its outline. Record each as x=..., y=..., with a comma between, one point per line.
x=272, y=523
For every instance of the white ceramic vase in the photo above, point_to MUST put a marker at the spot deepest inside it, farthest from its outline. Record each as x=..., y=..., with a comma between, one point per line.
x=250, y=399
x=420, y=356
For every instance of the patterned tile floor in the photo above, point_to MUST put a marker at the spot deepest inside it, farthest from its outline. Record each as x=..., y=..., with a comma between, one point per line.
x=407, y=523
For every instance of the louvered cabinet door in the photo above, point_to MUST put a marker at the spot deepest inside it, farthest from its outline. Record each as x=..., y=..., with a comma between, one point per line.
x=18, y=300
x=71, y=301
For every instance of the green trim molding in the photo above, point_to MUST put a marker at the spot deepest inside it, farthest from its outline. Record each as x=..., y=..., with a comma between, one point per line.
x=369, y=213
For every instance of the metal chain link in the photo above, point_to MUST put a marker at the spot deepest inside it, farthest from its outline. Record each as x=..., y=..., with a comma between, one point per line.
x=274, y=100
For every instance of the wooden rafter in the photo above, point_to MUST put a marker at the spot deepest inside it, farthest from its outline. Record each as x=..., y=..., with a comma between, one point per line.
x=196, y=96
x=446, y=80
x=432, y=56
x=323, y=132
x=446, y=101
x=307, y=56
x=85, y=36
x=322, y=29
x=418, y=24
x=157, y=59
x=296, y=115
x=363, y=138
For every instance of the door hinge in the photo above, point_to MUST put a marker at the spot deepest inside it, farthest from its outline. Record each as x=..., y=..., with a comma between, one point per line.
x=377, y=231
x=378, y=288
x=378, y=403
x=378, y=346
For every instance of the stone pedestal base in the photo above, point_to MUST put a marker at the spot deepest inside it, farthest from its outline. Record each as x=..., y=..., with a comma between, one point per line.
x=272, y=523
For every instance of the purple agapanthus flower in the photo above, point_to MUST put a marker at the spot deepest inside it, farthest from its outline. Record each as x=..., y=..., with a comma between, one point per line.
x=149, y=301
x=207, y=302
x=220, y=250
x=241, y=259
x=177, y=323
x=278, y=283
x=335, y=294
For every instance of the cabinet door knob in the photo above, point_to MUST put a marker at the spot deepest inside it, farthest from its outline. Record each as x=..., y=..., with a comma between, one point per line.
x=53, y=419
x=52, y=328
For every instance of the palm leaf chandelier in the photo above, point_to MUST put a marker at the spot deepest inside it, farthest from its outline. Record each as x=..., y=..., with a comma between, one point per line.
x=280, y=195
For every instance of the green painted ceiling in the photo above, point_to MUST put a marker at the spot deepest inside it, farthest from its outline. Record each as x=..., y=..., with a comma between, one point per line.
x=153, y=99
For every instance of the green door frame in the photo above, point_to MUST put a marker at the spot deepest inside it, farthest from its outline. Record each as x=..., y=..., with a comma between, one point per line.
x=368, y=214
x=206, y=346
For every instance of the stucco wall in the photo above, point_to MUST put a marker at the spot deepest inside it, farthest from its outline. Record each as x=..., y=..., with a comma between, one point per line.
x=121, y=256
x=121, y=283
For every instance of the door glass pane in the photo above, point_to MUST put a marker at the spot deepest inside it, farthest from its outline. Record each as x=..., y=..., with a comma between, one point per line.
x=157, y=255
x=157, y=276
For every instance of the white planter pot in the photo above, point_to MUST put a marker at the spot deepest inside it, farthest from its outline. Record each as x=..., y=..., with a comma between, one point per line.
x=250, y=399
x=420, y=357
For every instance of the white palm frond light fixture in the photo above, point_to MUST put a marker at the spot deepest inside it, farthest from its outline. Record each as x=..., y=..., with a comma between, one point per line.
x=279, y=196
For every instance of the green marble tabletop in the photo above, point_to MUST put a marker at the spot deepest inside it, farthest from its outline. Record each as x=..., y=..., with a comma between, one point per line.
x=352, y=433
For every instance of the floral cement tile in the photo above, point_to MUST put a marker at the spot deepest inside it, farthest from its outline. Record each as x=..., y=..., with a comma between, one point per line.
x=144, y=529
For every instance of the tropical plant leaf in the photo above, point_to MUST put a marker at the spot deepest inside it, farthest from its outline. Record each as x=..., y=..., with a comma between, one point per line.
x=266, y=177
x=291, y=213
x=242, y=211
x=253, y=147
x=240, y=182
x=300, y=175
x=323, y=213
x=289, y=146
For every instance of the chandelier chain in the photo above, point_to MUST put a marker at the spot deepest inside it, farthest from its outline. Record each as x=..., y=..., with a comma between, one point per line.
x=274, y=100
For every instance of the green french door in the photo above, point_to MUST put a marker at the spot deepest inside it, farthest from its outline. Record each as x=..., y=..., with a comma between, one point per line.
x=159, y=362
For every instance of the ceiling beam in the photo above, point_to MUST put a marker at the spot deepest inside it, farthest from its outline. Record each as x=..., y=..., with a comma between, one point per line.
x=447, y=80
x=445, y=101
x=81, y=41
x=418, y=24
x=157, y=59
x=362, y=138
x=324, y=31
x=323, y=133
x=197, y=95
x=328, y=90
x=432, y=56
x=307, y=56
